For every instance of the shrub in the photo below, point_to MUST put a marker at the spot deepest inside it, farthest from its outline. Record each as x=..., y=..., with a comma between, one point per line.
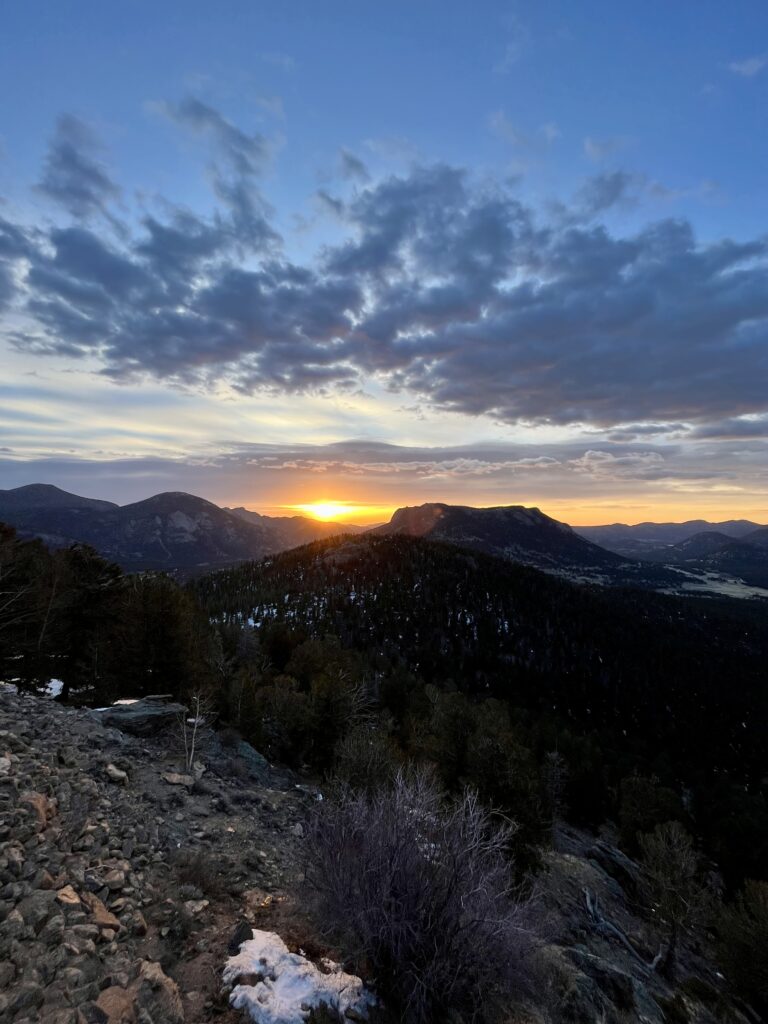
x=743, y=941
x=197, y=870
x=643, y=804
x=366, y=759
x=419, y=891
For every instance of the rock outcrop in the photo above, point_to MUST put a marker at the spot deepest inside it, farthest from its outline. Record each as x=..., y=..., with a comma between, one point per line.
x=119, y=892
x=146, y=717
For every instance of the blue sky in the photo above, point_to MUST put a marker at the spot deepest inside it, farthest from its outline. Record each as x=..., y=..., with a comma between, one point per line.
x=618, y=149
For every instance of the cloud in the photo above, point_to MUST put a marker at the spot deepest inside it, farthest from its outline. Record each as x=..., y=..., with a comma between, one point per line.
x=443, y=287
x=246, y=154
x=596, y=476
x=352, y=167
x=72, y=175
x=272, y=105
x=518, y=40
x=598, y=150
x=749, y=67
x=734, y=428
x=603, y=191
x=503, y=129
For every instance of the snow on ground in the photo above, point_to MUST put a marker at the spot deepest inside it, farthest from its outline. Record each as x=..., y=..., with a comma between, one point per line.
x=286, y=986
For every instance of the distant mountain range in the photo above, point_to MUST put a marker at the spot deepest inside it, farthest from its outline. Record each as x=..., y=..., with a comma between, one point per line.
x=637, y=541
x=180, y=532
x=736, y=547
x=173, y=530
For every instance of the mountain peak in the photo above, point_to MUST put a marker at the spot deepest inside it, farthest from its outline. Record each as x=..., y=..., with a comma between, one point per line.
x=43, y=496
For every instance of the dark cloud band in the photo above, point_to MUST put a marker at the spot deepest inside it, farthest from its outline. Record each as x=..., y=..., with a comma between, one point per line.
x=446, y=288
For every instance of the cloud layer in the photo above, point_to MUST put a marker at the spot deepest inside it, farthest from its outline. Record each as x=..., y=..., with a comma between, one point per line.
x=444, y=287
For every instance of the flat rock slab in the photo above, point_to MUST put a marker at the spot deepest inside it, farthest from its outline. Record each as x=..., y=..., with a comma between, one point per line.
x=144, y=717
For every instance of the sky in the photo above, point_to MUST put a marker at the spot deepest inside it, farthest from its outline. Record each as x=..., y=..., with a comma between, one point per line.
x=277, y=253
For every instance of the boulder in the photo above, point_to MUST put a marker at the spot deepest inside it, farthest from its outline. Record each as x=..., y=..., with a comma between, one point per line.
x=156, y=996
x=255, y=763
x=144, y=717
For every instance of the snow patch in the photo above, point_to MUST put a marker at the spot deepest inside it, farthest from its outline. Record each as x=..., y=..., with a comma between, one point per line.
x=287, y=986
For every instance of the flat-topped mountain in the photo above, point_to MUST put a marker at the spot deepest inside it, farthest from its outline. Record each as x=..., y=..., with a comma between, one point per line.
x=521, y=534
x=529, y=537
x=172, y=530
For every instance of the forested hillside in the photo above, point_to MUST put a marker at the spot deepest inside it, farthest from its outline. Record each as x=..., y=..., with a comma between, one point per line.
x=349, y=659
x=459, y=648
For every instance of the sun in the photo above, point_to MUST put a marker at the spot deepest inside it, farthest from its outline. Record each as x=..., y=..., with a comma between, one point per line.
x=326, y=510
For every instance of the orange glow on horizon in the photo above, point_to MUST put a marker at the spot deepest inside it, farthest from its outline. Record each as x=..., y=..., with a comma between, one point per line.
x=658, y=508
x=343, y=511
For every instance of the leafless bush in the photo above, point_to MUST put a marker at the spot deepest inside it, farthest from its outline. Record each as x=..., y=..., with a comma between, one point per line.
x=199, y=870
x=192, y=723
x=419, y=891
x=365, y=758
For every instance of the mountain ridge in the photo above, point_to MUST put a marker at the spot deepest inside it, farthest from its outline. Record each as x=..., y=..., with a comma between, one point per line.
x=172, y=530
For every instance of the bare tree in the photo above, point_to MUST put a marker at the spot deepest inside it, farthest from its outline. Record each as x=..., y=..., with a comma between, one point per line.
x=192, y=721
x=674, y=884
x=420, y=890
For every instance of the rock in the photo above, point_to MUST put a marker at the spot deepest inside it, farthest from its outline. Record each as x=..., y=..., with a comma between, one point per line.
x=114, y=880
x=195, y=907
x=242, y=933
x=616, y=865
x=118, y=1004
x=41, y=805
x=116, y=774
x=175, y=779
x=102, y=918
x=68, y=897
x=144, y=717
x=37, y=908
x=91, y=1013
x=156, y=996
x=255, y=763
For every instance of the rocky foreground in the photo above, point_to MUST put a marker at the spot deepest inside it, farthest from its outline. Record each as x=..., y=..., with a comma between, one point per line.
x=122, y=878
x=126, y=883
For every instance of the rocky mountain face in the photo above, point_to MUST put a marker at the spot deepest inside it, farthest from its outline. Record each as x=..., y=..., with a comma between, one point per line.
x=723, y=558
x=170, y=531
x=127, y=880
x=512, y=531
x=527, y=536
